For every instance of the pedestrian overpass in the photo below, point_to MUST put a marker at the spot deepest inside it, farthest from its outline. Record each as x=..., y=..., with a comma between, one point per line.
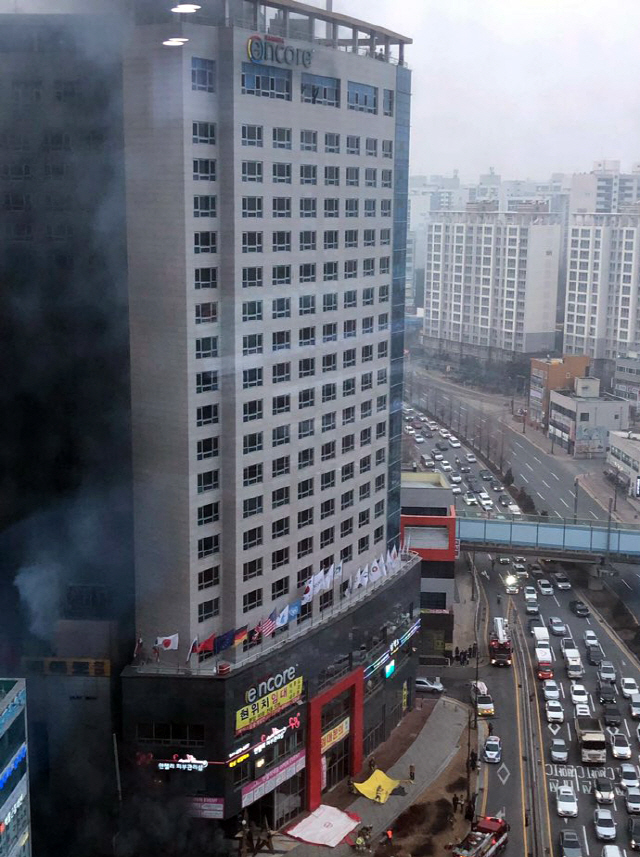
x=549, y=537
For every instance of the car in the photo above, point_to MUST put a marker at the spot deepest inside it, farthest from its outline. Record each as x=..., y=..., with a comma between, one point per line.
x=603, y=790
x=590, y=639
x=443, y=447
x=504, y=500
x=482, y=495
x=445, y=467
x=455, y=477
x=545, y=587
x=632, y=801
x=419, y=438
x=409, y=430
x=628, y=687
x=570, y=844
x=462, y=467
x=429, y=685
x=496, y=486
x=515, y=510
x=486, y=504
x=595, y=655
x=520, y=559
x=558, y=749
x=470, y=499
x=471, y=458
x=611, y=715
x=606, y=692
x=557, y=626
x=530, y=592
x=607, y=671
x=554, y=711
x=567, y=643
x=519, y=569
x=633, y=832
x=454, y=443
x=550, y=689
x=604, y=825
x=531, y=607
x=428, y=463
x=492, y=751
x=566, y=802
x=444, y=432
x=504, y=560
x=628, y=777
x=437, y=456
x=582, y=710
x=511, y=586
x=578, y=693
x=485, y=475
x=620, y=746
x=456, y=489
x=579, y=608
x=562, y=581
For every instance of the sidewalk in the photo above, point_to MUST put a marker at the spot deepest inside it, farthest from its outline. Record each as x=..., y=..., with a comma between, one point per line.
x=464, y=609
x=599, y=489
x=431, y=751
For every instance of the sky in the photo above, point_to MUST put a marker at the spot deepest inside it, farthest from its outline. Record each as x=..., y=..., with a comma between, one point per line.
x=528, y=88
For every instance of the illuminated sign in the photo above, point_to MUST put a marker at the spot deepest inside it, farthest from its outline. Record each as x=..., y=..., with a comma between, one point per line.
x=13, y=708
x=389, y=669
x=12, y=812
x=68, y=666
x=334, y=735
x=273, y=778
x=13, y=764
x=189, y=763
x=271, y=50
x=207, y=807
x=385, y=656
x=266, y=707
x=274, y=682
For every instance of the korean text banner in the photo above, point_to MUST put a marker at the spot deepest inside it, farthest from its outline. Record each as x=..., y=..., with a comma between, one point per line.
x=268, y=706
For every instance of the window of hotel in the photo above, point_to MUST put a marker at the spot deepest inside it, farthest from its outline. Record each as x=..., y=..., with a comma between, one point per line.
x=385, y=237
x=252, y=171
x=204, y=206
x=251, y=600
x=309, y=141
x=209, y=577
x=280, y=558
x=208, y=514
x=203, y=75
x=387, y=101
x=281, y=138
x=204, y=170
x=252, y=135
x=266, y=81
x=315, y=89
x=205, y=278
x=350, y=298
x=332, y=143
x=252, y=442
x=281, y=404
x=369, y=208
x=252, y=311
x=362, y=97
x=281, y=466
x=252, y=410
x=385, y=207
x=370, y=177
x=280, y=435
x=330, y=271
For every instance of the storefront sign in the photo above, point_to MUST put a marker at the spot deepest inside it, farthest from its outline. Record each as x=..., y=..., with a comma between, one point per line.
x=266, y=707
x=68, y=666
x=6, y=821
x=382, y=660
x=271, y=780
x=334, y=735
x=12, y=766
x=269, y=50
x=274, y=682
x=188, y=763
x=206, y=807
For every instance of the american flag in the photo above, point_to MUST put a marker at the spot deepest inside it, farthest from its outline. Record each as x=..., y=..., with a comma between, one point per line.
x=269, y=625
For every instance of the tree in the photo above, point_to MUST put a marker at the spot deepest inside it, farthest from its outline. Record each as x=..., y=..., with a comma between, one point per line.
x=508, y=478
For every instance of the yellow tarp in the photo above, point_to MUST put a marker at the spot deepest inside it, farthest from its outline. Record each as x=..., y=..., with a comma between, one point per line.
x=378, y=787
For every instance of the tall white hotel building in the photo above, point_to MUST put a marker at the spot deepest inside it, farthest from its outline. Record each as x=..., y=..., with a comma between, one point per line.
x=266, y=150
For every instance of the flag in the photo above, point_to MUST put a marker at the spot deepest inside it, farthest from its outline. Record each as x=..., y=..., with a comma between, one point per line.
x=345, y=587
x=394, y=557
x=167, y=643
x=318, y=582
x=338, y=571
x=138, y=648
x=294, y=609
x=364, y=575
x=328, y=579
x=269, y=624
x=307, y=595
x=282, y=618
x=408, y=543
x=389, y=560
x=206, y=645
x=383, y=567
x=224, y=641
x=375, y=573
x=241, y=635
x=257, y=631
x=355, y=580
x=192, y=648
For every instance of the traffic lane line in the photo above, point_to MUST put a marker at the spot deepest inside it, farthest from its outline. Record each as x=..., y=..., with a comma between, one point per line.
x=526, y=464
x=562, y=500
x=586, y=840
x=594, y=515
x=546, y=484
x=540, y=495
x=622, y=580
x=555, y=476
x=524, y=478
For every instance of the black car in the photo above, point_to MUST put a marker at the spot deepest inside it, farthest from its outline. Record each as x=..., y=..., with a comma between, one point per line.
x=606, y=692
x=426, y=433
x=463, y=468
x=504, y=500
x=570, y=844
x=595, y=655
x=611, y=715
x=442, y=446
x=603, y=790
x=633, y=829
x=579, y=608
x=486, y=475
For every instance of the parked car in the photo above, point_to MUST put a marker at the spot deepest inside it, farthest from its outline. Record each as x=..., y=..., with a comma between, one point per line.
x=579, y=608
x=492, y=751
x=429, y=685
x=566, y=802
x=558, y=750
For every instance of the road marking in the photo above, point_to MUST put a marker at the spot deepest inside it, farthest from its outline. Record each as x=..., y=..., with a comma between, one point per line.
x=540, y=495
x=569, y=730
x=526, y=464
x=594, y=515
x=525, y=479
x=626, y=726
x=556, y=600
x=622, y=580
x=555, y=477
x=553, y=728
x=561, y=686
x=559, y=515
x=514, y=675
x=503, y=773
x=637, y=575
x=546, y=484
x=586, y=841
x=565, y=503
x=517, y=443
x=535, y=458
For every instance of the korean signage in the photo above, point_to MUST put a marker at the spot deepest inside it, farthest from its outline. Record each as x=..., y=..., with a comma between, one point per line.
x=395, y=645
x=188, y=763
x=334, y=735
x=68, y=666
x=261, y=708
x=271, y=780
x=206, y=807
x=273, y=50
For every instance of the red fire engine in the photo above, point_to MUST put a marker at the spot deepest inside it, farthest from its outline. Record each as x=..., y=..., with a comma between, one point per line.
x=488, y=836
x=500, y=644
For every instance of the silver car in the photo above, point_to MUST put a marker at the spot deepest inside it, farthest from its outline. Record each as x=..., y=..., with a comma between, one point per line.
x=559, y=751
x=604, y=824
x=632, y=801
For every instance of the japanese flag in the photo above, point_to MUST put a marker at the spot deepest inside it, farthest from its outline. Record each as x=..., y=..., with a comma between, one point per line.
x=167, y=643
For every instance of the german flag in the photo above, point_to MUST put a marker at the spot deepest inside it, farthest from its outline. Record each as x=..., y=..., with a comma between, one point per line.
x=241, y=635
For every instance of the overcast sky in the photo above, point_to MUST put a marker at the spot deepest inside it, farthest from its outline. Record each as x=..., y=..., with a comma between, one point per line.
x=529, y=87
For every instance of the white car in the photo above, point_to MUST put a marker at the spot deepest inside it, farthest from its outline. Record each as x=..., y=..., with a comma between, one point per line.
x=482, y=495
x=628, y=777
x=487, y=504
x=470, y=499
x=578, y=694
x=566, y=802
x=419, y=439
x=632, y=801
x=456, y=489
x=514, y=510
x=445, y=467
x=530, y=592
x=582, y=710
x=443, y=432
x=550, y=689
x=604, y=824
x=437, y=456
x=454, y=442
x=628, y=687
x=620, y=746
x=429, y=685
x=492, y=750
x=409, y=430
x=590, y=638
x=559, y=751
x=471, y=458
x=607, y=672
x=455, y=478
x=554, y=711
x=545, y=587
x=557, y=626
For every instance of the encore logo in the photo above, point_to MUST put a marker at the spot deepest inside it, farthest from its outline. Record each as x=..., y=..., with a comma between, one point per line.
x=261, y=50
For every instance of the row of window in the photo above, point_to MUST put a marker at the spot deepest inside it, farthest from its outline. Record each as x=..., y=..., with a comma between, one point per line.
x=253, y=242
x=281, y=206
x=207, y=313
x=282, y=435
x=281, y=173
x=282, y=138
x=307, y=517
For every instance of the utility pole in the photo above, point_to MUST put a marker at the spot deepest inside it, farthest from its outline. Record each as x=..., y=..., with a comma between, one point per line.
x=609, y=531
x=575, y=500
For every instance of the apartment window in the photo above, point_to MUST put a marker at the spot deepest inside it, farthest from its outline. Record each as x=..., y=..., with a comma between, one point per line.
x=367, y=353
x=281, y=276
x=251, y=600
x=252, y=506
x=348, y=415
x=327, y=537
x=208, y=481
x=280, y=528
x=351, y=207
x=308, y=207
x=209, y=577
x=266, y=81
x=329, y=392
x=206, y=313
x=346, y=528
x=252, y=344
x=280, y=466
x=307, y=304
x=309, y=141
x=204, y=206
x=203, y=74
x=369, y=208
x=330, y=302
x=381, y=403
x=252, y=206
x=280, y=339
x=281, y=404
x=363, y=519
x=369, y=238
x=329, y=422
x=350, y=269
x=281, y=372
x=252, y=410
x=346, y=555
x=327, y=480
x=364, y=492
x=206, y=382
x=208, y=545
x=252, y=569
x=350, y=299
x=306, y=398
x=251, y=278
x=386, y=178
x=205, y=242
x=371, y=146
x=367, y=324
x=330, y=271
x=281, y=206
x=252, y=442
x=252, y=311
x=281, y=138
x=348, y=444
x=252, y=474
x=329, y=362
x=381, y=431
x=206, y=347
x=353, y=176
x=203, y=132
x=307, y=336
x=205, y=278
x=305, y=518
x=365, y=434
x=387, y=148
x=316, y=89
x=252, y=378
x=281, y=242
x=331, y=239
x=346, y=500
x=370, y=177
x=349, y=328
x=252, y=242
x=281, y=173
x=347, y=471
x=280, y=497
x=278, y=559
x=383, y=349
x=208, y=514
x=252, y=171
x=305, y=547
x=363, y=544
x=368, y=267
x=385, y=208
x=382, y=376
x=332, y=175
x=307, y=273
x=280, y=435
x=331, y=208
x=305, y=458
x=380, y=482
x=368, y=297
x=383, y=321
x=252, y=135
x=362, y=97
x=327, y=509
x=385, y=237
x=332, y=143
x=328, y=450
x=308, y=240
x=353, y=145
x=385, y=266
x=308, y=174
x=349, y=358
x=349, y=387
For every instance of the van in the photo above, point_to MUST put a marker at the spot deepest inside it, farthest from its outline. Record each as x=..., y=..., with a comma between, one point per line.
x=541, y=635
x=634, y=706
x=612, y=851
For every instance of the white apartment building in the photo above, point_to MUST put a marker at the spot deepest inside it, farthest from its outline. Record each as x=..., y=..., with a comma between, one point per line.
x=605, y=190
x=491, y=281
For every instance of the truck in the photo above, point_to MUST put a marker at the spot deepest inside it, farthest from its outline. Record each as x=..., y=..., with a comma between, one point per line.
x=488, y=837
x=591, y=739
x=544, y=662
x=573, y=663
x=541, y=636
x=500, y=647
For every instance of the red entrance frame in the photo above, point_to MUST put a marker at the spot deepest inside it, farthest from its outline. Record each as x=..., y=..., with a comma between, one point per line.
x=355, y=682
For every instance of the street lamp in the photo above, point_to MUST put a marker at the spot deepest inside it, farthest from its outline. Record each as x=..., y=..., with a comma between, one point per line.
x=575, y=500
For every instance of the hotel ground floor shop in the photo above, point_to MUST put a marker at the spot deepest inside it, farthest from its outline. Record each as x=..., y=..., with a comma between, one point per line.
x=281, y=729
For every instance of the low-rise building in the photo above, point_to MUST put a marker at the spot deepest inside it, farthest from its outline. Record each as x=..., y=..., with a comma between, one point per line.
x=15, y=823
x=552, y=373
x=626, y=379
x=623, y=462
x=580, y=419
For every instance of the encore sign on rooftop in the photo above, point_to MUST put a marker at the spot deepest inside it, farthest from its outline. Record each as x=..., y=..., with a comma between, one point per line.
x=269, y=50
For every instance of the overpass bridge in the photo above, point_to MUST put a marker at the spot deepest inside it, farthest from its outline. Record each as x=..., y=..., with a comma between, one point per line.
x=589, y=541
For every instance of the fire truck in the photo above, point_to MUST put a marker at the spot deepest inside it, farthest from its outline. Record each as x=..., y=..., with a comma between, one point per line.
x=500, y=644
x=488, y=837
